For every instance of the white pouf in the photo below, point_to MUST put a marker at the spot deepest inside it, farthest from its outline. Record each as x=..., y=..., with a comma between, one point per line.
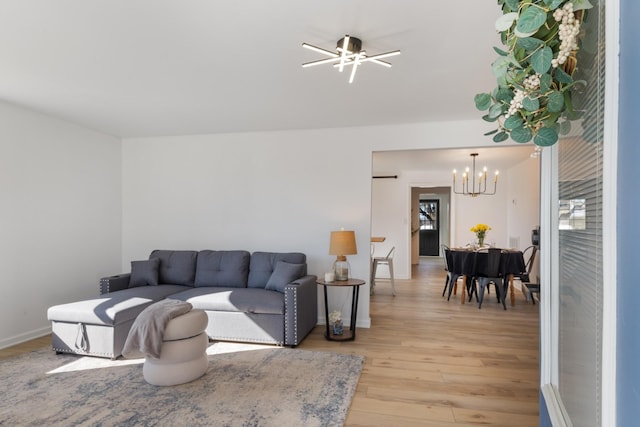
x=184, y=351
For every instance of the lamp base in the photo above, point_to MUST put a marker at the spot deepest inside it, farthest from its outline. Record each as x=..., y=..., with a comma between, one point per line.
x=341, y=269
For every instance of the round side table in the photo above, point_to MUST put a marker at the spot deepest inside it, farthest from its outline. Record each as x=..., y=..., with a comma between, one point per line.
x=348, y=334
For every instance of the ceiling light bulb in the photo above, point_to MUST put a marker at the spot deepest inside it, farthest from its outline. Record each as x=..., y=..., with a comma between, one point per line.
x=349, y=52
x=345, y=45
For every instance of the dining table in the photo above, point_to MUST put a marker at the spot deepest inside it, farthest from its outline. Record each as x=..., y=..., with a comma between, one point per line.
x=470, y=262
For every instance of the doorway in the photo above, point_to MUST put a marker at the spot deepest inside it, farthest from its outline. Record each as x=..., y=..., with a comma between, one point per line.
x=429, y=220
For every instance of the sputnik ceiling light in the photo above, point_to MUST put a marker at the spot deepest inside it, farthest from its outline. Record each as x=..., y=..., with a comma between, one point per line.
x=473, y=190
x=348, y=52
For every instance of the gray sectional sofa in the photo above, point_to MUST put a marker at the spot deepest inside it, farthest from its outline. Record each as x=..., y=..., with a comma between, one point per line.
x=264, y=297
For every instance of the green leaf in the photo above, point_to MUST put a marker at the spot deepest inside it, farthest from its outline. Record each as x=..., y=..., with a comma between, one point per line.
x=573, y=83
x=545, y=137
x=568, y=104
x=581, y=5
x=512, y=4
x=491, y=132
x=500, y=51
x=483, y=101
x=513, y=58
x=500, y=66
x=531, y=20
x=504, y=22
x=541, y=60
x=513, y=122
x=486, y=118
x=555, y=102
x=530, y=104
x=551, y=119
x=495, y=111
x=521, y=135
x=504, y=95
x=553, y=4
x=530, y=43
x=561, y=76
x=523, y=35
x=565, y=127
x=545, y=82
x=500, y=137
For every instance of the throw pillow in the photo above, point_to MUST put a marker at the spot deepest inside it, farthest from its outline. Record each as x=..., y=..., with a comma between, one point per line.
x=144, y=273
x=283, y=274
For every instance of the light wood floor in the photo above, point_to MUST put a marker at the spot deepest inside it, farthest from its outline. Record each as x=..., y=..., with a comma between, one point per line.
x=432, y=362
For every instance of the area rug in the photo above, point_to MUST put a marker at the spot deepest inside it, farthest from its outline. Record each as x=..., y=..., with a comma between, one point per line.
x=244, y=386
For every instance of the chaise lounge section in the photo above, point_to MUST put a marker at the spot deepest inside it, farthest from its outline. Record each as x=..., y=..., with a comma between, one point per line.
x=264, y=297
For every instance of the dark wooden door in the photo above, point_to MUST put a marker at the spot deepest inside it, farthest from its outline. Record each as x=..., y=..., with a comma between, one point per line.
x=429, y=215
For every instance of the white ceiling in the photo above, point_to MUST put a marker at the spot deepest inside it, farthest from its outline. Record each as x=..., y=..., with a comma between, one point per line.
x=173, y=67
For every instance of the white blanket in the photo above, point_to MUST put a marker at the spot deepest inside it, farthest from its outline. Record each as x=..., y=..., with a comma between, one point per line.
x=147, y=331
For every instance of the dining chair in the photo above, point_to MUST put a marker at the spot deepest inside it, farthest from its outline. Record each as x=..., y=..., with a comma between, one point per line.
x=489, y=273
x=388, y=261
x=529, y=255
x=452, y=277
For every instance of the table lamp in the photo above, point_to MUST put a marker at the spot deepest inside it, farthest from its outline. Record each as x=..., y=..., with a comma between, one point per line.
x=342, y=243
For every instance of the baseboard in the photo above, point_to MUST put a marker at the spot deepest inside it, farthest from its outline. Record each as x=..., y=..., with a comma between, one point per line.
x=24, y=337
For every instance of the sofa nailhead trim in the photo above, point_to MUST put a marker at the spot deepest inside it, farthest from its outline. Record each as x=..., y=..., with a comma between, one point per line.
x=243, y=339
x=88, y=353
x=291, y=290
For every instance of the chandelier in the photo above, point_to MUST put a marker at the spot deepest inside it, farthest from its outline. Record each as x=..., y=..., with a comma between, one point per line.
x=475, y=189
x=348, y=52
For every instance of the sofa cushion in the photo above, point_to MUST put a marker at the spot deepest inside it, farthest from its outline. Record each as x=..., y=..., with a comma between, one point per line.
x=176, y=267
x=112, y=308
x=244, y=300
x=283, y=274
x=144, y=273
x=222, y=268
x=263, y=264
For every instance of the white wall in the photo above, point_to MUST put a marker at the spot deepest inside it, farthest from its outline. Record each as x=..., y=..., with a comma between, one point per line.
x=274, y=191
x=469, y=211
x=59, y=217
x=523, y=211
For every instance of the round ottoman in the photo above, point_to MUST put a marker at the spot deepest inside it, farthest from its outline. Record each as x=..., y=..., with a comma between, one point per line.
x=184, y=351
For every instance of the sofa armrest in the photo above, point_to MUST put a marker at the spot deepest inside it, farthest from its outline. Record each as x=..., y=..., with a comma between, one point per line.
x=301, y=309
x=114, y=283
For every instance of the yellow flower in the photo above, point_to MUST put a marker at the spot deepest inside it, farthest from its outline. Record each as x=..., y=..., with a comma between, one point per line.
x=480, y=228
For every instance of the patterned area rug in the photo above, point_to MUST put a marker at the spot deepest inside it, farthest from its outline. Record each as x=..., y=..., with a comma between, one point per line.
x=245, y=385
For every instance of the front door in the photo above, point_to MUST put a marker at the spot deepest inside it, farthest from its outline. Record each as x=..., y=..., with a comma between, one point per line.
x=429, y=214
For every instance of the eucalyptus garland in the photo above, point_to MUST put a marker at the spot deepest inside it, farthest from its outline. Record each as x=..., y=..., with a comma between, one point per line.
x=535, y=70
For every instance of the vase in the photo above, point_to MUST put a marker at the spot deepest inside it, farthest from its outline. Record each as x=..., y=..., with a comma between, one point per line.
x=338, y=328
x=480, y=241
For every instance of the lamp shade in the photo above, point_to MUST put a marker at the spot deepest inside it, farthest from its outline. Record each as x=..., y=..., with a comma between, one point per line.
x=343, y=242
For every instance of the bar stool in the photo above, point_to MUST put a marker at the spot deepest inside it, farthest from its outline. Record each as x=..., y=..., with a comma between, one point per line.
x=387, y=260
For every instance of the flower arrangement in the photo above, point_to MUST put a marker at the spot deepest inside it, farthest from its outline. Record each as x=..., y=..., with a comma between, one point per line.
x=335, y=316
x=480, y=231
x=535, y=71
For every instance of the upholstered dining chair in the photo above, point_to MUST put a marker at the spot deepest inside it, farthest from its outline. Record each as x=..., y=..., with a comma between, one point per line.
x=489, y=273
x=388, y=261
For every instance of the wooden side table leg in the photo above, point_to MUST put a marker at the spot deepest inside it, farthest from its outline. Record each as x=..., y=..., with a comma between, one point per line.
x=513, y=296
x=464, y=288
